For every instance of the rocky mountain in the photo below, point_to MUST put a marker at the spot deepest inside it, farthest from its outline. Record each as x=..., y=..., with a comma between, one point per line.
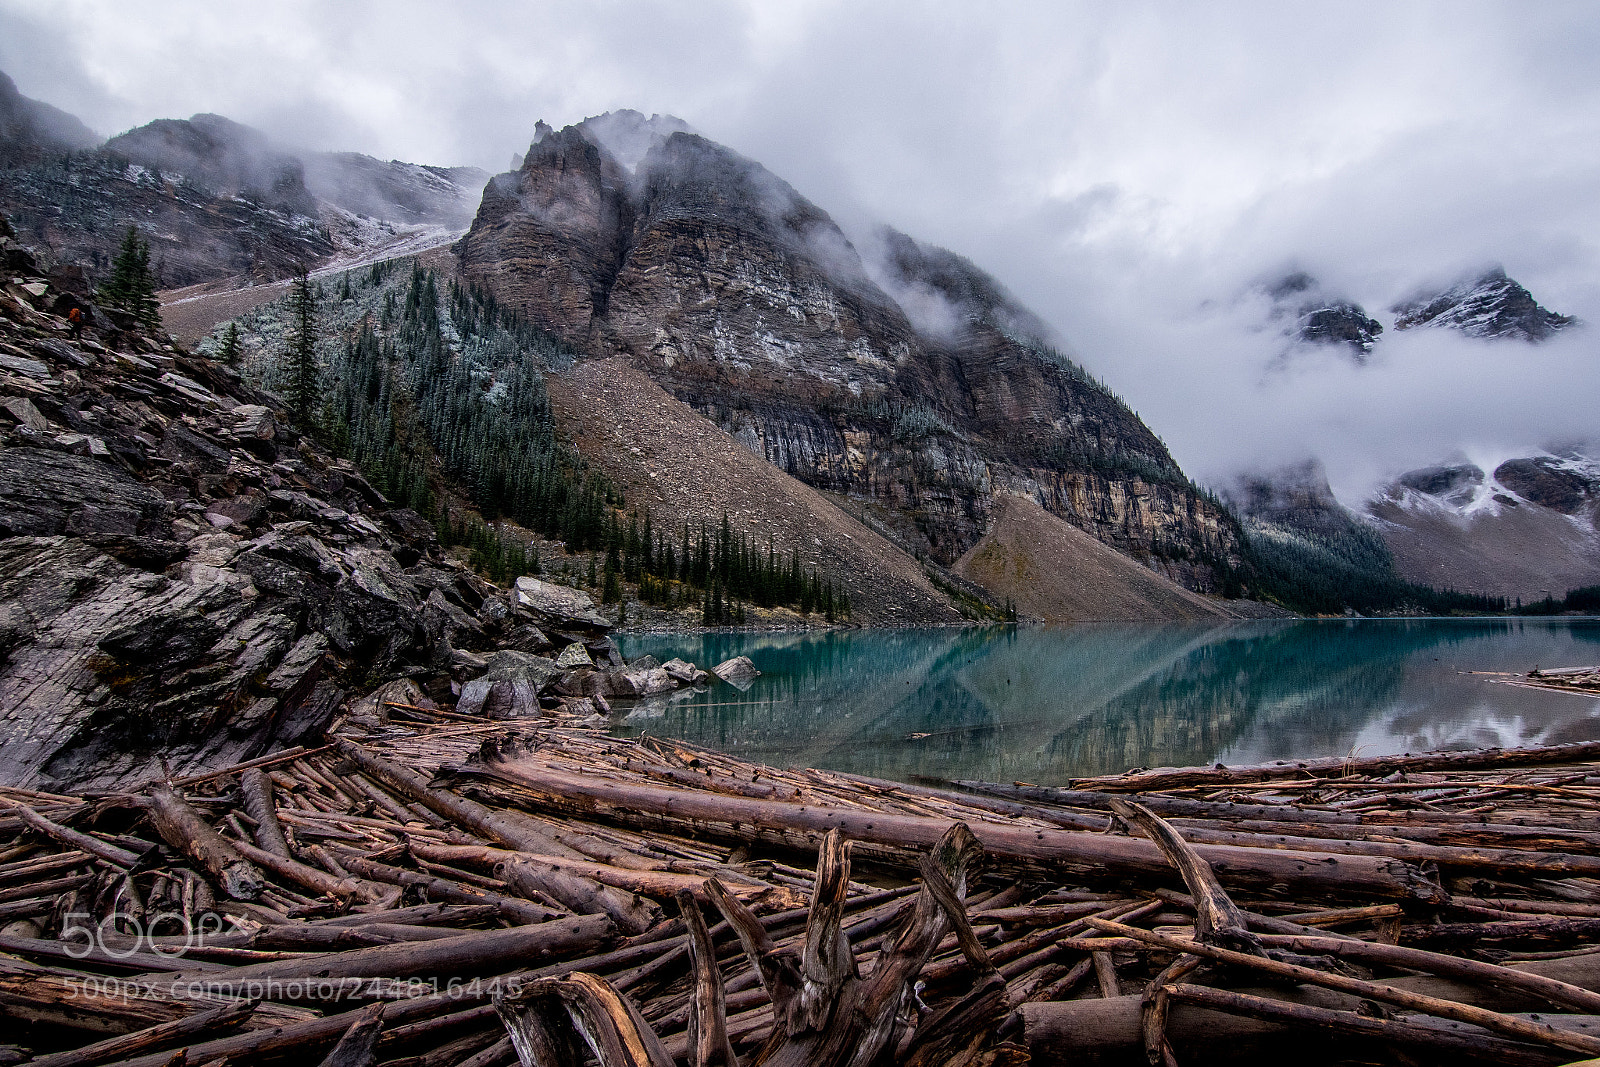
x=1312, y=316
x=1486, y=305
x=31, y=130
x=188, y=581
x=215, y=199
x=911, y=382
x=222, y=157
x=1527, y=528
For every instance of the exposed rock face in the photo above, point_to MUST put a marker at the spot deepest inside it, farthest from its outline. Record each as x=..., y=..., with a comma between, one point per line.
x=1316, y=317
x=31, y=131
x=1490, y=305
x=184, y=578
x=746, y=301
x=1530, y=528
x=1297, y=497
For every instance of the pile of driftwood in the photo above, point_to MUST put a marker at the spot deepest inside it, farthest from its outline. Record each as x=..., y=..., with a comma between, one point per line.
x=469, y=895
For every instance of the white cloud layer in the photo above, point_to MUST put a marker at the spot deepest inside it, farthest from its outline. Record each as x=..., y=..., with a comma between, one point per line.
x=1128, y=169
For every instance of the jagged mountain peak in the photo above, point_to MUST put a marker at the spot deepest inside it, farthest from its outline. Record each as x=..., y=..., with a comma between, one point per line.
x=1315, y=315
x=1487, y=304
x=628, y=135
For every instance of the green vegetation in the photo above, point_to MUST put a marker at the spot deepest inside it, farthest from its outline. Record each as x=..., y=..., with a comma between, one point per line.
x=132, y=287
x=1585, y=600
x=303, y=389
x=1328, y=574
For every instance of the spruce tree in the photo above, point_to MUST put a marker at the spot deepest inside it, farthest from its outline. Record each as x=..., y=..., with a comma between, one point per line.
x=303, y=371
x=231, y=350
x=132, y=288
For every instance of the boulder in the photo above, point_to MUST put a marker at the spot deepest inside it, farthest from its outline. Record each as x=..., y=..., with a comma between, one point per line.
x=641, y=681
x=604, y=652
x=685, y=672
x=509, y=689
x=41, y=492
x=559, y=605
x=574, y=656
x=738, y=672
x=373, y=709
x=22, y=410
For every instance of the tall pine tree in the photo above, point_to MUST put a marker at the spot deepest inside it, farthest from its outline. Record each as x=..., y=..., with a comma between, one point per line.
x=132, y=288
x=301, y=388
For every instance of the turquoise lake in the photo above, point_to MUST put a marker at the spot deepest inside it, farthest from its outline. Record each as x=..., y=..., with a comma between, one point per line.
x=1046, y=705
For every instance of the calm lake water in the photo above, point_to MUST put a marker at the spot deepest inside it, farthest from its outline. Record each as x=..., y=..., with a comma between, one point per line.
x=1045, y=705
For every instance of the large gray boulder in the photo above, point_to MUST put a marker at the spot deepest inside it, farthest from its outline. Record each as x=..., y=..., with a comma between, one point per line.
x=560, y=606
x=510, y=688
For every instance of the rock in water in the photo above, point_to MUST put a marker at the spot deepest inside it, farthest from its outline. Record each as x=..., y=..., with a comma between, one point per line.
x=737, y=669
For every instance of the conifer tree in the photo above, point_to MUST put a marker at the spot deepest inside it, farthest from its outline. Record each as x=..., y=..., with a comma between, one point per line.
x=132, y=288
x=231, y=350
x=303, y=371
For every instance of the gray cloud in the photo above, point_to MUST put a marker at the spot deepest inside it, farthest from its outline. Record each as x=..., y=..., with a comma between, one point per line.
x=1128, y=170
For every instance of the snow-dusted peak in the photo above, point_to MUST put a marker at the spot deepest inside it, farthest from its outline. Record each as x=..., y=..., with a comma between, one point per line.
x=1490, y=304
x=1311, y=314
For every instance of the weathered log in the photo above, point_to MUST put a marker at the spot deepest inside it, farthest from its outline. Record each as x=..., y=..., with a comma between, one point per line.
x=1344, y=767
x=474, y=953
x=743, y=819
x=1498, y=1022
x=222, y=1018
x=187, y=831
x=662, y=885
x=1217, y=920
x=633, y=914
x=551, y=1020
x=507, y=828
x=708, y=1029
x=1154, y=1007
x=356, y=1047
x=1081, y=1032
x=79, y=1002
x=443, y=889
x=1558, y=931
x=1388, y=1031
x=313, y=879
x=119, y=857
x=256, y=789
x=1445, y=966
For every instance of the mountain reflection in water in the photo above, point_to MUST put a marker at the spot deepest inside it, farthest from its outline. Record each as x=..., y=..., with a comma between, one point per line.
x=1045, y=705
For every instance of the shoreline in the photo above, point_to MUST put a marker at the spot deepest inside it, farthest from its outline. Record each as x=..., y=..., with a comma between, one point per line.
x=385, y=866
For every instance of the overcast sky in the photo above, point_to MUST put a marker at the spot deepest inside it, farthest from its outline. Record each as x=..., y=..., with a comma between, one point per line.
x=1130, y=170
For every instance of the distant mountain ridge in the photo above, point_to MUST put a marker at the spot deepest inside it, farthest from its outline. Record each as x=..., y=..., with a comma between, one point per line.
x=216, y=199
x=1528, y=528
x=31, y=130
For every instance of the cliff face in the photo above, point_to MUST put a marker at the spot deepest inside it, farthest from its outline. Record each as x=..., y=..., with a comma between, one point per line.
x=907, y=377
x=184, y=579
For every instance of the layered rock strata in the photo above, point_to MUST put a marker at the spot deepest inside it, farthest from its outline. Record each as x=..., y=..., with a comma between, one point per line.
x=746, y=301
